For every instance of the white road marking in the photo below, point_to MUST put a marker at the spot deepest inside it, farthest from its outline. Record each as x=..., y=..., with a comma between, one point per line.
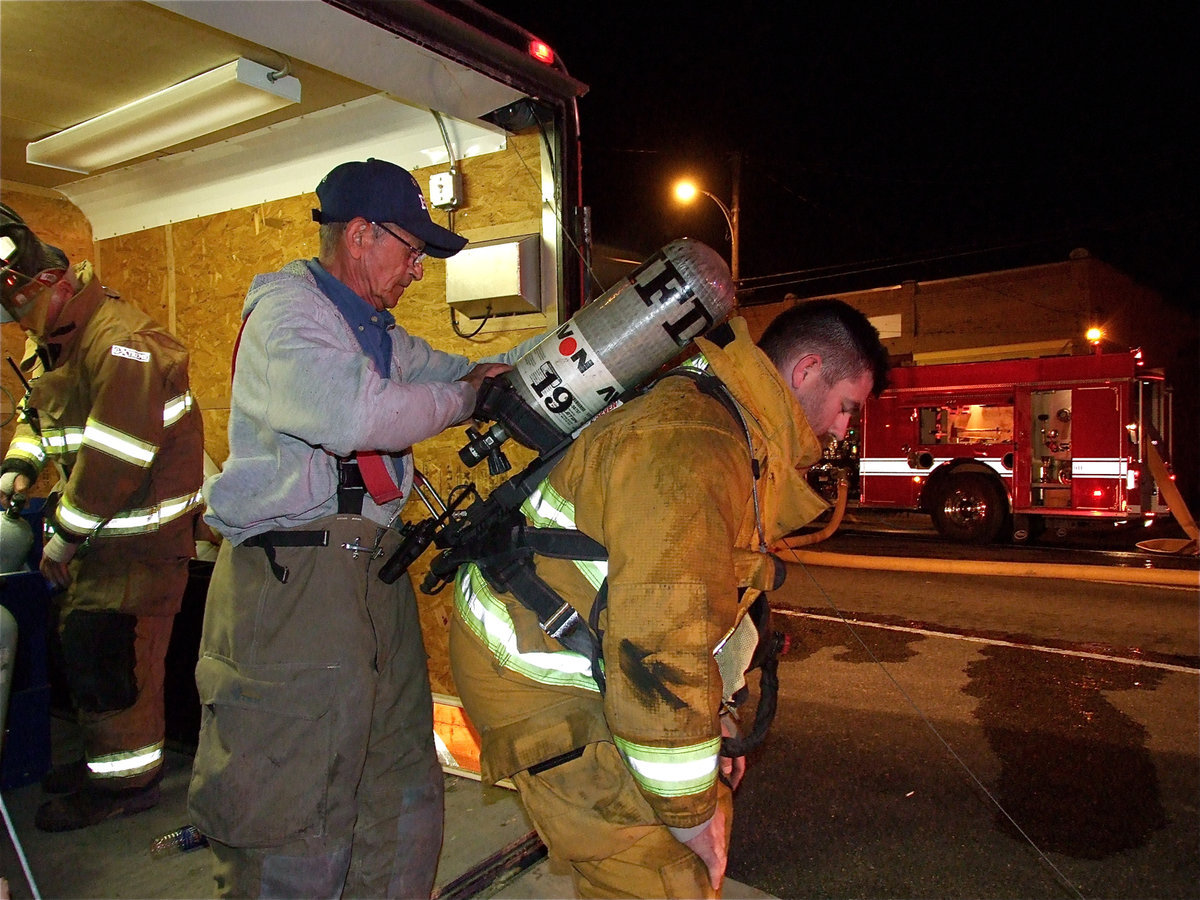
x=1170, y=667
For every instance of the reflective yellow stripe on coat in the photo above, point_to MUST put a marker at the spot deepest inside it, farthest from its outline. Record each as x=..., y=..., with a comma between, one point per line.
x=62, y=441
x=134, y=521
x=27, y=448
x=486, y=615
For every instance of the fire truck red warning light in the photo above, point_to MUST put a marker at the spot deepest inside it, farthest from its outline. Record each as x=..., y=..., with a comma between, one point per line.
x=541, y=51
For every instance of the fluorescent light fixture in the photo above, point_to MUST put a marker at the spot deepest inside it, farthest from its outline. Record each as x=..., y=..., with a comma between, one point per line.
x=224, y=96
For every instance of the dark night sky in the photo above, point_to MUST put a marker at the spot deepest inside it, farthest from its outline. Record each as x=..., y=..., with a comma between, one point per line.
x=872, y=133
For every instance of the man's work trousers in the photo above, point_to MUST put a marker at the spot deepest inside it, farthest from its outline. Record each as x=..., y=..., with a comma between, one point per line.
x=114, y=663
x=316, y=773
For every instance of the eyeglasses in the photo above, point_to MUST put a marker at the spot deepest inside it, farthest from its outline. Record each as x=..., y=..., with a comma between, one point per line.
x=418, y=256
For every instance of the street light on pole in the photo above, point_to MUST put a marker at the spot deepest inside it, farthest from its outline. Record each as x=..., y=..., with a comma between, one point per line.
x=686, y=191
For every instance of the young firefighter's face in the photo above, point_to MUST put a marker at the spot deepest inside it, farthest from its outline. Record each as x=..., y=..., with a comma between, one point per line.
x=829, y=407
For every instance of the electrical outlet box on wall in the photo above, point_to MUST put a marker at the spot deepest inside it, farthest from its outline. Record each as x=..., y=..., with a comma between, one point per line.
x=445, y=190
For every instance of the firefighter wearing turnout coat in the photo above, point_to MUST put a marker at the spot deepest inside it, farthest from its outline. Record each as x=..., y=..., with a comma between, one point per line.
x=685, y=487
x=110, y=406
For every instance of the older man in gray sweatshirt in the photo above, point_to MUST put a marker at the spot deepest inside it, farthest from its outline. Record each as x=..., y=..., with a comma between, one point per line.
x=316, y=773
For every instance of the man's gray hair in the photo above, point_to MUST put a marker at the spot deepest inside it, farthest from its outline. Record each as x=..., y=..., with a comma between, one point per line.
x=331, y=235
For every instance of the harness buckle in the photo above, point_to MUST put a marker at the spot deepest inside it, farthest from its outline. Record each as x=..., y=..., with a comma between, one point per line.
x=565, y=619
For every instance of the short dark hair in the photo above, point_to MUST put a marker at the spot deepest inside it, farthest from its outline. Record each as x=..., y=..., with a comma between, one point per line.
x=842, y=336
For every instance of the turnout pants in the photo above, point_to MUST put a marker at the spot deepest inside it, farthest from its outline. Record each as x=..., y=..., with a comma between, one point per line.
x=316, y=773
x=592, y=816
x=114, y=662
x=588, y=810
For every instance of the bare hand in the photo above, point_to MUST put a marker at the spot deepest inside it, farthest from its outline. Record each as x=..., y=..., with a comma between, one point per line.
x=484, y=370
x=709, y=845
x=56, y=573
x=55, y=557
x=732, y=767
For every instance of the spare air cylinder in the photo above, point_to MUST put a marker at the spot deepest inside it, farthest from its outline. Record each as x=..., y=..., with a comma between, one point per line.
x=16, y=537
x=609, y=347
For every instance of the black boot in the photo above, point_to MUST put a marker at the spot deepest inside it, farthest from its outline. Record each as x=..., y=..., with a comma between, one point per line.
x=66, y=778
x=90, y=806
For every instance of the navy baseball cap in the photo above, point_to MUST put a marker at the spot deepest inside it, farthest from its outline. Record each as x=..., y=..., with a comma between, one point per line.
x=381, y=191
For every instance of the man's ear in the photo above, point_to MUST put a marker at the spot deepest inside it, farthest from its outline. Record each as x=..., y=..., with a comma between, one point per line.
x=356, y=229
x=807, y=366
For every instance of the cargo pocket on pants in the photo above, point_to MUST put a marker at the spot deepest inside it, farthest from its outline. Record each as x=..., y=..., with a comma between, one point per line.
x=265, y=753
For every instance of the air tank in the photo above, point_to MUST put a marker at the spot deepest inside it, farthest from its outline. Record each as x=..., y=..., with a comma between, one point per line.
x=611, y=345
x=16, y=537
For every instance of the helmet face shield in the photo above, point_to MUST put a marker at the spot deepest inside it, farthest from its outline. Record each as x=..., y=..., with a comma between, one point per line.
x=21, y=292
x=8, y=253
x=27, y=266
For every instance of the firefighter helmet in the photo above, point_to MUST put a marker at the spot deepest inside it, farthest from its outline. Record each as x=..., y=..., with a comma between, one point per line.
x=27, y=262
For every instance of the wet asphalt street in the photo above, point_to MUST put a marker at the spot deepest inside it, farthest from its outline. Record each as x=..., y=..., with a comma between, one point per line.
x=977, y=737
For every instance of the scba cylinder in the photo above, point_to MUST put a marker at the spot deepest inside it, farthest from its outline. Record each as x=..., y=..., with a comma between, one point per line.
x=620, y=339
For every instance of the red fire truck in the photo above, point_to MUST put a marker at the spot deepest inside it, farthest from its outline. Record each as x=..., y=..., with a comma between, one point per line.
x=1020, y=443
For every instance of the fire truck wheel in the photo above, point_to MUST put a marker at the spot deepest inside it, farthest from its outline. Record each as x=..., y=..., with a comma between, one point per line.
x=970, y=508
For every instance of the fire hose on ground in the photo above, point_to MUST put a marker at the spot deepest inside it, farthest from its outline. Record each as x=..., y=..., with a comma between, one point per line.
x=789, y=550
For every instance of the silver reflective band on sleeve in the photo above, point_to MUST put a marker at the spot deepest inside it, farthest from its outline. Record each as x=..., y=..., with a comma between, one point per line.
x=487, y=617
x=136, y=521
x=672, y=771
x=29, y=448
x=177, y=408
x=62, y=440
x=126, y=763
x=118, y=444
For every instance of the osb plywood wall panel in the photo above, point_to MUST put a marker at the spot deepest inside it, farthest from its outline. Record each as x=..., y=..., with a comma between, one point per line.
x=137, y=267
x=510, y=182
x=60, y=223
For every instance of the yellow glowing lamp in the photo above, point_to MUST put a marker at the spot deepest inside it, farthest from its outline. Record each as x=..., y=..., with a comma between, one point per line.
x=686, y=191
